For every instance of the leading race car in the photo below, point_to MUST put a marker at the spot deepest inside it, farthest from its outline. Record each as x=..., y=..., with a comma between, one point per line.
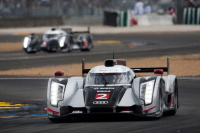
x=63, y=40
x=113, y=88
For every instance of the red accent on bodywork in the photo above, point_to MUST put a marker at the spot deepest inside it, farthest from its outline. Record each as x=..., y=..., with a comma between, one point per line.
x=158, y=71
x=58, y=73
x=172, y=100
x=149, y=109
x=52, y=111
x=85, y=44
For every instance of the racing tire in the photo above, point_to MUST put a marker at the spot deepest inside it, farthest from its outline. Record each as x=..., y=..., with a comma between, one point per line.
x=68, y=47
x=173, y=112
x=28, y=51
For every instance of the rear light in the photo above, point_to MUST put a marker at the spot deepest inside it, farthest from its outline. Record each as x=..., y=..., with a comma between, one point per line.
x=85, y=44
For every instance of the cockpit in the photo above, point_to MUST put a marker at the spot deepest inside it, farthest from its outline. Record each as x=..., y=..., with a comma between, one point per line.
x=109, y=78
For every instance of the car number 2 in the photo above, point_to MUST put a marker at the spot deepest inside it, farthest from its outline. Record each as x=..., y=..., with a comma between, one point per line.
x=102, y=96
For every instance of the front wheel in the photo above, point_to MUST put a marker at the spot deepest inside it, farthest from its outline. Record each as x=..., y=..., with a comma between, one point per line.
x=160, y=104
x=175, y=99
x=67, y=46
x=29, y=50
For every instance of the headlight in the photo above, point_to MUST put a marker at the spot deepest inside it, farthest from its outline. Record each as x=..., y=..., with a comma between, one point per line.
x=146, y=91
x=26, y=42
x=57, y=92
x=62, y=41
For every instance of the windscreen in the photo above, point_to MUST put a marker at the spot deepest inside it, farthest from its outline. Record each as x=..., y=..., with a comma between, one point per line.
x=107, y=78
x=49, y=36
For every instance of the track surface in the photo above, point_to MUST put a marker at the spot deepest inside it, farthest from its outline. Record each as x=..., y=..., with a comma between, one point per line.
x=130, y=46
x=186, y=120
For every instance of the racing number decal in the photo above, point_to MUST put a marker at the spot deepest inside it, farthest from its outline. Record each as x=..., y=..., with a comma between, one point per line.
x=102, y=96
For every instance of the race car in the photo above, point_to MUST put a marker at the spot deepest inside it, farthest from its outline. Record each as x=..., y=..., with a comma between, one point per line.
x=63, y=40
x=112, y=88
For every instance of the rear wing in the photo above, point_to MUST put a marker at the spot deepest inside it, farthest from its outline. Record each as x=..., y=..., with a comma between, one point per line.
x=136, y=70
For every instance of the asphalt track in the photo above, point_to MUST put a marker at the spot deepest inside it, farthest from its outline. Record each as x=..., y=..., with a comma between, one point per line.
x=26, y=96
x=129, y=46
x=33, y=118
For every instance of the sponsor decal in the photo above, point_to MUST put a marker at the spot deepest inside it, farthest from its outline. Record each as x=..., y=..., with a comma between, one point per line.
x=107, y=88
x=102, y=96
x=77, y=112
x=103, y=91
x=100, y=102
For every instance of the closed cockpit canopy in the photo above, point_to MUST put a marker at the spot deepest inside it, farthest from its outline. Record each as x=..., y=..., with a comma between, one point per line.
x=104, y=75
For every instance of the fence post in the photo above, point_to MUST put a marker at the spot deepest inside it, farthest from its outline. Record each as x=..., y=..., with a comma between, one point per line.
x=198, y=16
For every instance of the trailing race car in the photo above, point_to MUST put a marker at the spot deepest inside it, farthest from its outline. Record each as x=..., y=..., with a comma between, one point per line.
x=113, y=88
x=63, y=40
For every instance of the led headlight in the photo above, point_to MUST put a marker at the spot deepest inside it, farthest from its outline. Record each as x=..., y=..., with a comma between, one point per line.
x=146, y=91
x=26, y=42
x=57, y=92
x=62, y=41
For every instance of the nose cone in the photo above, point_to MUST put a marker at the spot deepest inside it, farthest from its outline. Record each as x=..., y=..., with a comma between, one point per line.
x=107, y=96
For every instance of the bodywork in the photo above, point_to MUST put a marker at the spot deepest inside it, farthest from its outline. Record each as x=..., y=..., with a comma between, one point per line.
x=108, y=93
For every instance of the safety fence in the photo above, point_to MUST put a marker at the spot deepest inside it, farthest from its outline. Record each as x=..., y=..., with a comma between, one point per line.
x=191, y=16
x=116, y=18
x=126, y=19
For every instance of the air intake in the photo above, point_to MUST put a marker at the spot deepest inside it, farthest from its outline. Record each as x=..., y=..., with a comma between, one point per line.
x=112, y=62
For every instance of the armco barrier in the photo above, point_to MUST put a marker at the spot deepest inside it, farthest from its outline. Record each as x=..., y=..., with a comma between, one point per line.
x=191, y=16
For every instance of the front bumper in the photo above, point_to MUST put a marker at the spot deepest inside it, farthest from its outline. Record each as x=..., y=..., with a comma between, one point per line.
x=67, y=111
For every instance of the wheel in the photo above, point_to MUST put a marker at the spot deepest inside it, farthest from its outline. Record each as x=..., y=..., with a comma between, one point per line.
x=29, y=50
x=173, y=112
x=67, y=47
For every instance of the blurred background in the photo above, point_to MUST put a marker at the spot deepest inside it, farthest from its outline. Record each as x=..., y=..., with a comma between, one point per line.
x=25, y=13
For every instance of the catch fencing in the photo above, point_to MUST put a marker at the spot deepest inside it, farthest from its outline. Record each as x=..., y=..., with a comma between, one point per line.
x=191, y=16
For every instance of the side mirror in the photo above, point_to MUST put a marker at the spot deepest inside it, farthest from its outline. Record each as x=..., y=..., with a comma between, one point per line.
x=158, y=71
x=59, y=73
